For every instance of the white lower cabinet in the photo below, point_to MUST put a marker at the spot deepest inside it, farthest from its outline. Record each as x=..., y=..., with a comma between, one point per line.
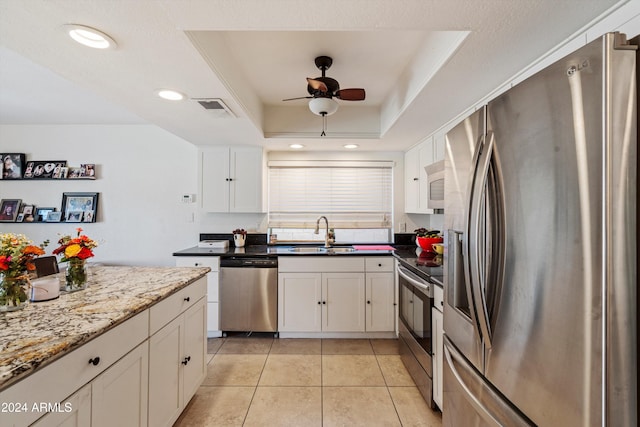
x=177, y=361
x=335, y=295
x=213, y=301
x=343, y=302
x=140, y=373
x=126, y=378
x=437, y=345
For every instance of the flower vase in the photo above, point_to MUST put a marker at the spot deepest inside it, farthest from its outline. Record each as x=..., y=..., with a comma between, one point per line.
x=238, y=240
x=13, y=292
x=76, y=275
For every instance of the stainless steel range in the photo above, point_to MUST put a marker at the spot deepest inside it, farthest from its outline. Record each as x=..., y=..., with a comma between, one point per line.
x=416, y=300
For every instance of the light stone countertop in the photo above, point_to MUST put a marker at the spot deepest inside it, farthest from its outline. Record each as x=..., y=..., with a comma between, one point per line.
x=45, y=331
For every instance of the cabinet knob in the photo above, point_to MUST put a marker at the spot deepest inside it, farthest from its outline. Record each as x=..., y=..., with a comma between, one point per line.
x=368, y=302
x=94, y=361
x=319, y=302
x=187, y=299
x=196, y=264
x=186, y=360
x=442, y=303
x=379, y=265
x=416, y=179
x=324, y=302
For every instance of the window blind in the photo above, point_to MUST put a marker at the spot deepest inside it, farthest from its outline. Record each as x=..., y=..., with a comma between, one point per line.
x=350, y=197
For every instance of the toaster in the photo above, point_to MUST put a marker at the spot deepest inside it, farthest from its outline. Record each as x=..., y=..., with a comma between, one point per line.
x=45, y=288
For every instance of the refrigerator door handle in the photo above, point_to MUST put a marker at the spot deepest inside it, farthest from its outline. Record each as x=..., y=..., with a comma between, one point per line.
x=489, y=405
x=466, y=246
x=451, y=354
x=475, y=240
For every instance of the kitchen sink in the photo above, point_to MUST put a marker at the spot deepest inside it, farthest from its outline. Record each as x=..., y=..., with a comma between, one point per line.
x=338, y=250
x=302, y=249
x=320, y=249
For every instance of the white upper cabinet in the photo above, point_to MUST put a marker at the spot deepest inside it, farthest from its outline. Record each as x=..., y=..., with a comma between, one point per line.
x=415, y=191
x=232, y=179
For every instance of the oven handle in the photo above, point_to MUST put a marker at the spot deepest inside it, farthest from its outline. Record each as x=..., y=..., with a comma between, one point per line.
x=425, y=288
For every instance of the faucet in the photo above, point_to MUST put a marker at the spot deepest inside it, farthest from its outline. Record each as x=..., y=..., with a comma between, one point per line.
x=326, y=235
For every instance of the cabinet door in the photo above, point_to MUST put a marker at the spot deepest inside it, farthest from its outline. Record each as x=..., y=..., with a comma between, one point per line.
x=380, y=308
x=215, y=179
x=343, y=302
x=411, y=181
x=165, y=379
x=426, y=158
x=119, y=395
x=438, y=350
x=79, y=415
x=195, y=348
x=246, y=169
x=299, y=302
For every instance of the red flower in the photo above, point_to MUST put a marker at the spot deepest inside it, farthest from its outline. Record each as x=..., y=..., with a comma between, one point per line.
x=85, y=253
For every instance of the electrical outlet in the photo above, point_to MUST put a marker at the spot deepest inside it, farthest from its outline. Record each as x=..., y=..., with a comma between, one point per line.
x=188, y=198
x=402, y=227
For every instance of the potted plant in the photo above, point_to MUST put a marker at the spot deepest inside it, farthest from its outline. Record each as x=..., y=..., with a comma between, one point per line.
x=239, y=237
x=16, y=255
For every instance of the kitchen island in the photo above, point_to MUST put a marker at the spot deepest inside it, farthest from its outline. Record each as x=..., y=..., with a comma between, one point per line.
x=123, y=308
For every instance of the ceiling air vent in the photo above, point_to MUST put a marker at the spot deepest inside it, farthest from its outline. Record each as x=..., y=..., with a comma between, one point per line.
x=216, y=107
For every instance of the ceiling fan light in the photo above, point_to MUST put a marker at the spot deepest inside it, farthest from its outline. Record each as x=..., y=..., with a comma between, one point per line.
x=323, y=106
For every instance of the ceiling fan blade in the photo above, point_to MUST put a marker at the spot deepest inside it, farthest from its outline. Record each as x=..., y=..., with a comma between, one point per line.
x=300, y=97
x=317, y=85
x=350, y=94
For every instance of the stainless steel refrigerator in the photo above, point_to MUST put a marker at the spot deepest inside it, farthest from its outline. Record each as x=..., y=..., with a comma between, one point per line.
x=540, y=308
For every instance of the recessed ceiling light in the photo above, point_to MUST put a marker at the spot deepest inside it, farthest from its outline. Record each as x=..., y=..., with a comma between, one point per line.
x=170, y=95
x=89, y=36
x=351, y=146
x=296, y=146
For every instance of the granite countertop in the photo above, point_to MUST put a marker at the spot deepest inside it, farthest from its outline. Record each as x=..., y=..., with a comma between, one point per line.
x=45, y=331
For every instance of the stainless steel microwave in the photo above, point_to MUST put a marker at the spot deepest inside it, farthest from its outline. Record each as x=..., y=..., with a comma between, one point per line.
x=435, y=185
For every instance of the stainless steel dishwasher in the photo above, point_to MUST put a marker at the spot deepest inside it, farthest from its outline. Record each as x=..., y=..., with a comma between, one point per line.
x=248, y=294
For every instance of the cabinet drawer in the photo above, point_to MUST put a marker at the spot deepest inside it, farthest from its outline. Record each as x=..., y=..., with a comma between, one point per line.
x=60, y=379
x=320, y=264
x=199, y=261
x=438, y=298
x=379, y=263
x=171, y=307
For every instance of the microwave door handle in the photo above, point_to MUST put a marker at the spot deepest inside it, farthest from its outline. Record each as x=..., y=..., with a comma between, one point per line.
x=477, y=245
x=409, y=277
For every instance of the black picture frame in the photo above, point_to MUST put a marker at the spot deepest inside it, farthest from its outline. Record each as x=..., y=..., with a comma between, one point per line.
x=44, y=169
x=9, y=209
x=42, y=214
x=54, y=216
x=12, y=165
x=79, y=202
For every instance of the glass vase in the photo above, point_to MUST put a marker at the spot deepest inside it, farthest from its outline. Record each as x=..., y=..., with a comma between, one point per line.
x=76, y=275
x=13, y=292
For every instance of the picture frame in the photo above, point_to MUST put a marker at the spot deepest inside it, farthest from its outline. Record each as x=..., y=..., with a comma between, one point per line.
x=87, y=171
x=20, y=217
x=12, y=165
x=88, y=216
x=9, y=209
x=83, y=202
x=73, y=216
x=42, y=214
x=54, y=216
x=44, y=169
x=27, y=211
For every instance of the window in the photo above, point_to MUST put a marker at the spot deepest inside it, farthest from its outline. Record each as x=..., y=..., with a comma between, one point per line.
x=352, y=195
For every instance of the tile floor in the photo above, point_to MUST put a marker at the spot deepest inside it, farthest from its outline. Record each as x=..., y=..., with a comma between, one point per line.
x=306, y=382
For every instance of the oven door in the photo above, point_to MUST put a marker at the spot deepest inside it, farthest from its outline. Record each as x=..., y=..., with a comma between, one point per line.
x=416, y=300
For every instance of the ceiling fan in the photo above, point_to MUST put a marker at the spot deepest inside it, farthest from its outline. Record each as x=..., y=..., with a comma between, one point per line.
x=323, y=89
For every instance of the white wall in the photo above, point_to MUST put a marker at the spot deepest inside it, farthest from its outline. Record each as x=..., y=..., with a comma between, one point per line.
x=142, y=172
